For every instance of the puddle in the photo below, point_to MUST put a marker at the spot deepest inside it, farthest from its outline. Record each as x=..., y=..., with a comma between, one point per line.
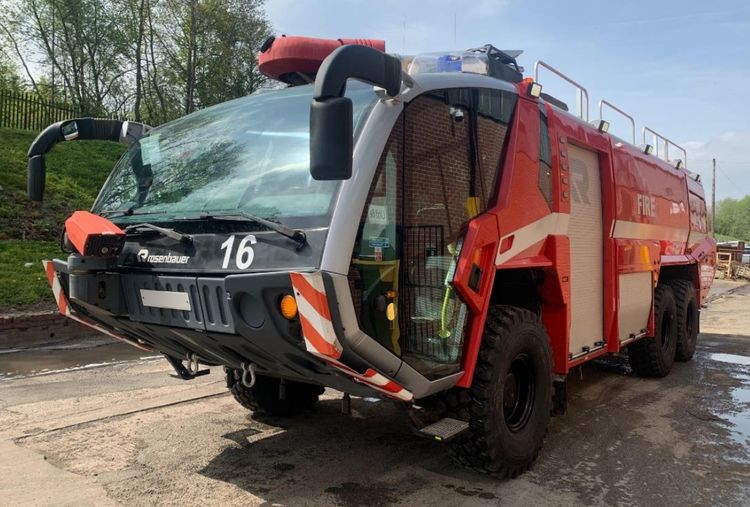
x=730, y=358
x=46, y=361
x=741, y=419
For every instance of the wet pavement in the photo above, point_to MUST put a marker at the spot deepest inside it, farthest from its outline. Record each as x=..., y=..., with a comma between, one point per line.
x=127, y=433
x=61, y=358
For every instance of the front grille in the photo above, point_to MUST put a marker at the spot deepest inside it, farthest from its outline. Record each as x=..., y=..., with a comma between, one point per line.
x=209, y=305
x=215, y=305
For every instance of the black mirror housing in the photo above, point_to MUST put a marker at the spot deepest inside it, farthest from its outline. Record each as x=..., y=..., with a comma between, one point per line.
x=331, y=120
x=35, y=178
x=69, y=130
x=331, y=139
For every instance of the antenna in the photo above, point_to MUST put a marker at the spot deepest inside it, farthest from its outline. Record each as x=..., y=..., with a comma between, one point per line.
x=454, y=29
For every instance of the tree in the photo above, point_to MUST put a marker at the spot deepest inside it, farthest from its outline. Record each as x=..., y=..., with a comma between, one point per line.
x=211, y=47
x=733, y=217
x=9, y=78
x=150, y=60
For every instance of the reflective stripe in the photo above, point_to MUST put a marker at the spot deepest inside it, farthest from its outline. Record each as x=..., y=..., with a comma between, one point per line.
x=625, y=229
x=64, y=307
x=315, y=317
x=320, y=337
x=531, y=234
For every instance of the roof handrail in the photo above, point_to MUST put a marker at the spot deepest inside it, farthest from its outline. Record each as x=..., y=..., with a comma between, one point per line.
x=667, y=142
x=583, y=105
x=583, y=113
x=603, y=103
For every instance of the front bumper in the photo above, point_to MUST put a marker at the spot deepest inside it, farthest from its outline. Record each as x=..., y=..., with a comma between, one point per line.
x=230, y=321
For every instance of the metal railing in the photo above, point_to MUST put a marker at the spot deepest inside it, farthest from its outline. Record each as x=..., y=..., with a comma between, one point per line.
x=656, y=136
x=613, y=107
x=583, y=95
x=582, y=110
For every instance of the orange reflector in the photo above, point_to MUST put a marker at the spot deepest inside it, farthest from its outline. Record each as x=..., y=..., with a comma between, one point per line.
x=288, y=307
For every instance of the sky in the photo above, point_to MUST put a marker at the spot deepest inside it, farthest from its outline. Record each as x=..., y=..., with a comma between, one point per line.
x=681, y=68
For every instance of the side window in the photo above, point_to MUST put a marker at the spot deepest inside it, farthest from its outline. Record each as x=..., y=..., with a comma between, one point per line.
x=374, y=272
x=545, y=160
x=493, y=113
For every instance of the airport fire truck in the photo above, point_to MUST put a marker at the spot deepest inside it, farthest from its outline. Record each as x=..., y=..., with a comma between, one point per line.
x=432, y=229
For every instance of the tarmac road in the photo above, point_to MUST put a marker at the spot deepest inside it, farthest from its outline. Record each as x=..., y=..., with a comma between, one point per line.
x=124, y=432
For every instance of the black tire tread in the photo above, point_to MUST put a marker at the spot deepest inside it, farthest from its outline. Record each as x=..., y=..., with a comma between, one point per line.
x=471, y=449
x=646, y=356
x=684, y=294
x=264, y=395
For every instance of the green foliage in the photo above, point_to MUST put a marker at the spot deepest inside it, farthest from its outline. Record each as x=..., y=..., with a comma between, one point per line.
x=22, y=278
x=29, y=231
x=9, y=79
x=75, y=172
x=733, y=218
x=147, y=60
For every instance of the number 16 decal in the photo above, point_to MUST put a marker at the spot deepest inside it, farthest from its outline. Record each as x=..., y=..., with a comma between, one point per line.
x=245, y=252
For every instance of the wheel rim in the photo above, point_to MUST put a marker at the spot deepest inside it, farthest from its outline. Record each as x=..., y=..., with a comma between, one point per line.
x=518, y=393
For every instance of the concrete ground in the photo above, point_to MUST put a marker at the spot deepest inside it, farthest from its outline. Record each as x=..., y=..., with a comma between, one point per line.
x=108, y=426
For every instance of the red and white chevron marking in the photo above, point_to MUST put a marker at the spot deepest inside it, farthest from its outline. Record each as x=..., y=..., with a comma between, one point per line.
x=315, y=316
x=320, y=337
x=64, y=307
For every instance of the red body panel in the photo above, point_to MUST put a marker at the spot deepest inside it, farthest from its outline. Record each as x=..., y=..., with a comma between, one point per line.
x=83, y=227
x=653, y=216
x=303, y=54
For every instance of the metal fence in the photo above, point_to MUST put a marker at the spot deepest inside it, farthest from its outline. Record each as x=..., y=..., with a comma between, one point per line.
x=27, y=112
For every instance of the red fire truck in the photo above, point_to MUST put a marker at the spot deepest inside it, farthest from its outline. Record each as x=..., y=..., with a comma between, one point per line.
x=432, y=229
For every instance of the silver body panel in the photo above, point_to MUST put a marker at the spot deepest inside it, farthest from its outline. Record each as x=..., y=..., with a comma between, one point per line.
x=348, y=210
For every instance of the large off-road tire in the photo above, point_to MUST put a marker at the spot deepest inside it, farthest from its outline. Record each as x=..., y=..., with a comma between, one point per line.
x=265, y=394
x=686, y=318
x=654, y=356
x=509, y=404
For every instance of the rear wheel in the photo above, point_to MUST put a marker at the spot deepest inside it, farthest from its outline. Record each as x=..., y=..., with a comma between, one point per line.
x=655, y=355
x=686, y=318
x=509, y=404
x=268, y=395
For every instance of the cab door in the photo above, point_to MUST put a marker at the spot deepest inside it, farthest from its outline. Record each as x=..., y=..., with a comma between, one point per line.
x=438, y=171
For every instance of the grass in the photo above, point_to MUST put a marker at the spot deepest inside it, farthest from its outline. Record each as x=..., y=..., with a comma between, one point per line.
x=30, y=231
x=22, y=278
x=75, y=172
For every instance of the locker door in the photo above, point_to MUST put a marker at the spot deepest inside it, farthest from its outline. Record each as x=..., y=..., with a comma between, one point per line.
x=586, y=252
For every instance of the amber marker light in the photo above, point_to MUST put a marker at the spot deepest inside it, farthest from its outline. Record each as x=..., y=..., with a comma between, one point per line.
x=288, y=307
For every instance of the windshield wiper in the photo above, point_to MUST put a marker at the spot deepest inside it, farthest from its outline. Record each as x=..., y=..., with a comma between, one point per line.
x=296, y=235
x=128, y=212
x=170, y=233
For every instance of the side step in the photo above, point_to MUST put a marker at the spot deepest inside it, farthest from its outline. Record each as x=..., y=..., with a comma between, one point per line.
x=445, y=429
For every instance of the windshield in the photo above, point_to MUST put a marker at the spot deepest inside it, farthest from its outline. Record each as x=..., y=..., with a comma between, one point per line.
x=250, y=154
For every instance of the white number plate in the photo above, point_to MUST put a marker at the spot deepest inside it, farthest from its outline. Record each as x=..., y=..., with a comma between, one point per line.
x=166, y=299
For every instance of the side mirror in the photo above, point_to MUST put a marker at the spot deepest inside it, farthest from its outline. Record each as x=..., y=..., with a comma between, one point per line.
x=35, y=178
x=331, y=121
x=331, y=139
x=69, y=130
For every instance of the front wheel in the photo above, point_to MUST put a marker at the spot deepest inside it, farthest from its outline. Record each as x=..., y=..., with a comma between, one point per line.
x=509, y=404
x=268, y=395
